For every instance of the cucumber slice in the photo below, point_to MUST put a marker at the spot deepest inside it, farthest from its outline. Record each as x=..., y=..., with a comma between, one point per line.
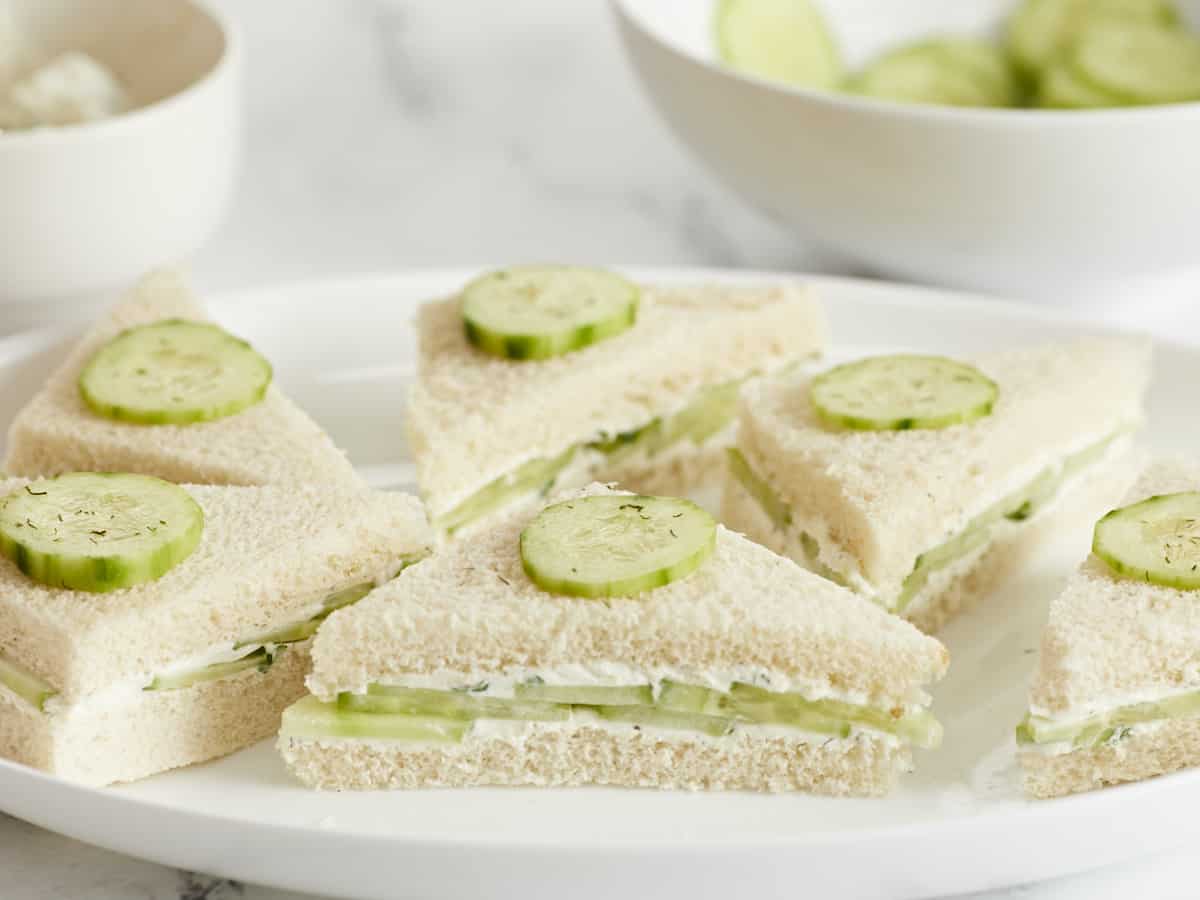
x=615, y=545
x=948, y=72
x=1106, y=726
x=97, y=532
x=587, y=695
x=691, y=698
x=1156, y=540
x=536, y=312
x=174, y=372
x=899, y=392
x=1040, y=30
x=25, y=685
x=310, y=718
x=1140, y=65
x=775, y=508
x=536, y=476
x=783, y=40
x=450, y=704
x=302, y=631
x=261, y=659
x=666, y=718
x=1060, y=87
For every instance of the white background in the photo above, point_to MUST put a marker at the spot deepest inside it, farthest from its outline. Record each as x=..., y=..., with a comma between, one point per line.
x=385, y=135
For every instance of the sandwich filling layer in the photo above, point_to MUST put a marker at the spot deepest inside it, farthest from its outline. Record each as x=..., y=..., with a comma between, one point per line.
x=806, y=539
x=1108, y=723
x=257, y=652
x=704, y=420
x=426, y=710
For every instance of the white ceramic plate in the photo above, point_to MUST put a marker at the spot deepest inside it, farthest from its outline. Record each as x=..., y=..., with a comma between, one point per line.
x=344, y=350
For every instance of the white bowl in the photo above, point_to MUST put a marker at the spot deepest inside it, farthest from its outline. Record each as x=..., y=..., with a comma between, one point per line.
x=1026, y=202
x=89, y=207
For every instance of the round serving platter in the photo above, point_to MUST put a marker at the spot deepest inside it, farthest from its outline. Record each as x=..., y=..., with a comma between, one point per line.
x=345, y=351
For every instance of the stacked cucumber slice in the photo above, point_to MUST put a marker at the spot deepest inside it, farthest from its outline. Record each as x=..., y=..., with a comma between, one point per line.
x=902, y=392
x=98, y=532
x=536, y=312
x=615, y=545
x=174, y=372
x=1156, y=540
x=1064, y=54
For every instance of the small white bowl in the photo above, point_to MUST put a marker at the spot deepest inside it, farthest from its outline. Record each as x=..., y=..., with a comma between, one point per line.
x=1026, y=202
x=85, y=208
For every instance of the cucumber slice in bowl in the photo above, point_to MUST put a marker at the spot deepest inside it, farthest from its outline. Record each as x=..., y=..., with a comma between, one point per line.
x=1060, y=87
x=1156, y=540
x=782, y=40
x=174, y=372
x=536, y=312
x=947, y=72
x=1040, y=30
x=900, y=392
x=615, y=545
x=89, y=531
x=1140, y=65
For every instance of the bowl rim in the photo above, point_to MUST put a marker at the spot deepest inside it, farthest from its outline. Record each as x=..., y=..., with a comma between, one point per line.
x=230, y=57
x=1111, y=116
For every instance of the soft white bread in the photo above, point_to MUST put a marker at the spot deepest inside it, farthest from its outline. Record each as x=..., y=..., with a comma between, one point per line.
x=268, y=557
x=153, y=731
x=876, y=500
x=473, y=417
x=273, y=441
x=1109, y=636
x=859, y=767
x=472, y=609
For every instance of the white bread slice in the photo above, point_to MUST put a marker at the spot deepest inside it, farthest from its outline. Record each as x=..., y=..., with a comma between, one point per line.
x=273, y=441
x=156, y=731
x=471, y=612
x=267, y=558
x=855, y=768
x=1112, y=641
x=876, y=500
x=473, y=418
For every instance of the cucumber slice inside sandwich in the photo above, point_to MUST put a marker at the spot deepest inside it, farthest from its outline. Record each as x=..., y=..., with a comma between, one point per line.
x=783, y=40
x=1141, y=65
x=90, y=531
x=25, y=685
x=615, y=545
x=451, y=704
x=174, y=372
x=1156, y=540
x=899, y=392
x=587, y=695
x=536, y=312
x=310, y=718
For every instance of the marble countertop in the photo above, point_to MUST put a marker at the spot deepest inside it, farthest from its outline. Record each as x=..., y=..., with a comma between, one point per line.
x=385, y=134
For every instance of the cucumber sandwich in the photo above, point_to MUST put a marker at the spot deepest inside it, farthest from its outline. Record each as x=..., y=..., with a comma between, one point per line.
x=1116, y=694
x=541, y=378
x=613, y=638
x=148, y=625
x=156, y=388
x=918, y=480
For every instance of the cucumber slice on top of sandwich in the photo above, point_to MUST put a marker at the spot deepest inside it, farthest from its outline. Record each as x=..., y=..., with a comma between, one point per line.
x=174, y=372
x=536, y=312
x=900, y=392
x=1156, y=540
x=97, y=532
x=615, y=545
